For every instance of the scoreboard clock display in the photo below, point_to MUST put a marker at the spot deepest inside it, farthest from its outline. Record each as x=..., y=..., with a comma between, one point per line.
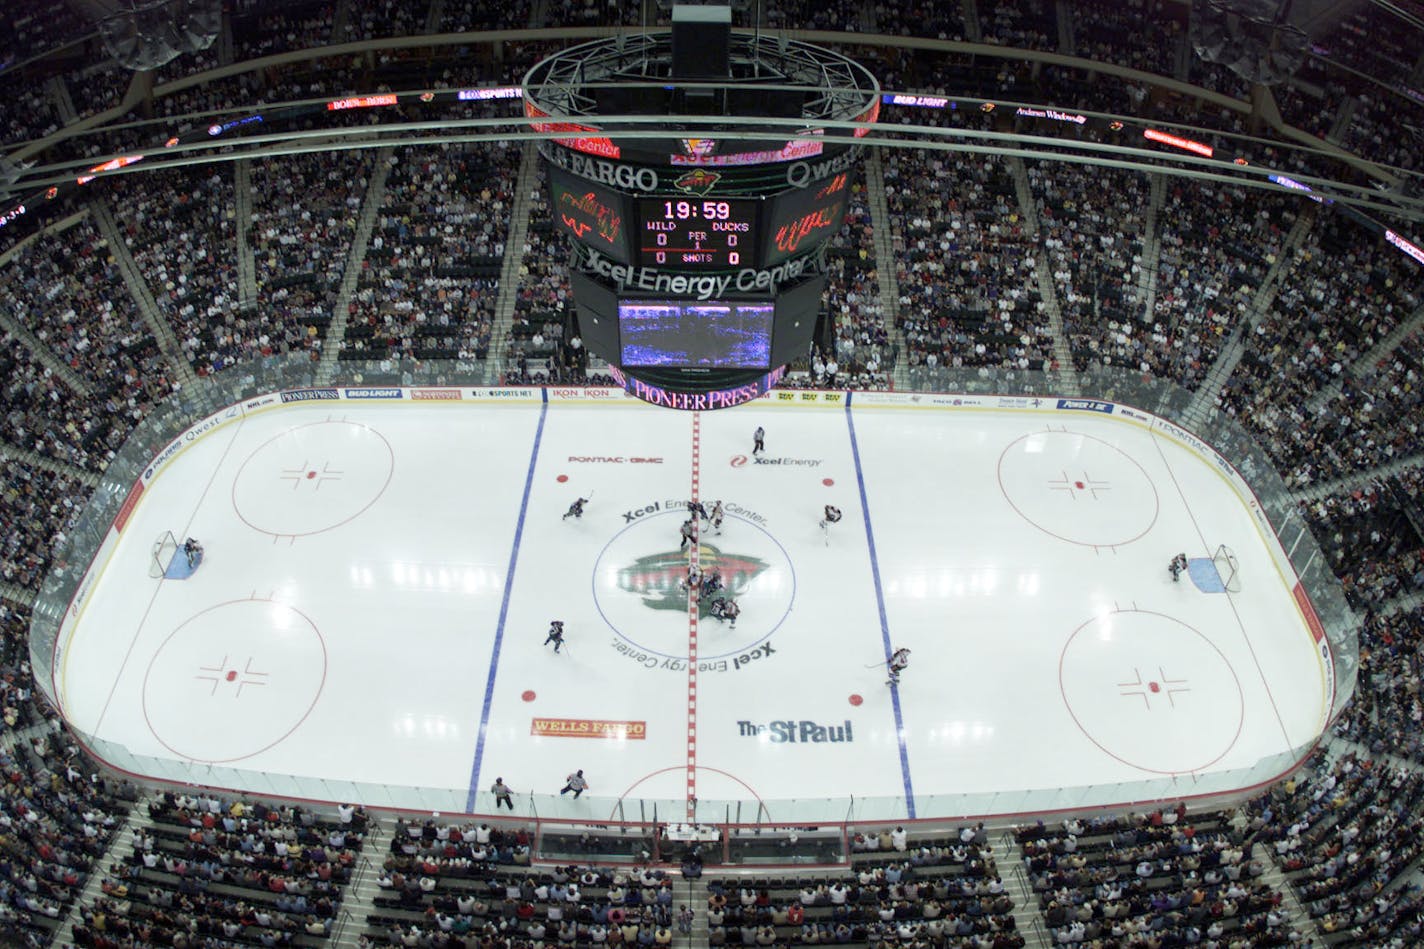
x=697, y=233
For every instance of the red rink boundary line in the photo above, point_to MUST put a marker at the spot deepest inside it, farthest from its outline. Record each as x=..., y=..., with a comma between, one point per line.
x=692, y=597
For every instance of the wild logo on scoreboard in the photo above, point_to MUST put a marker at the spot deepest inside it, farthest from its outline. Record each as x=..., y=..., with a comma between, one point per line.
x=699, y=181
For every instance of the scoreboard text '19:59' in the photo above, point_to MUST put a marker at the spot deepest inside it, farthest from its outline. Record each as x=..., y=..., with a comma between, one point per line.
x=698, y=235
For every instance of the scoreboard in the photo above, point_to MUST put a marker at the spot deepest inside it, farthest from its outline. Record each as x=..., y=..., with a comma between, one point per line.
x=696, y=287
x=698, y=202
x=706, y=233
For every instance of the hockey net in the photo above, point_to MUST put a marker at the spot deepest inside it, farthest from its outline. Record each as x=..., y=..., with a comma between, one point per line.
x=165, y=548
x=1227, y=568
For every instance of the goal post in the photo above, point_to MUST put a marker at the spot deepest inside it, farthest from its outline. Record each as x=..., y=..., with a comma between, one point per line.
x=1227, y=568
x=165, y=548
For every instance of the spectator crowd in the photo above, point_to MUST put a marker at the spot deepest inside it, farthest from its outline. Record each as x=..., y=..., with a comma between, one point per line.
x=1154, y=273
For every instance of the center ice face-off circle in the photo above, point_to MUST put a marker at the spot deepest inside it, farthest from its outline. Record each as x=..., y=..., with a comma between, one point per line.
x=1078, y=488
x=234, y=680
x=312, y=478
x=636, y=586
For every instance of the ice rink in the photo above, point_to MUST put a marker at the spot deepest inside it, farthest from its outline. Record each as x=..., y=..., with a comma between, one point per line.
x=379, y=578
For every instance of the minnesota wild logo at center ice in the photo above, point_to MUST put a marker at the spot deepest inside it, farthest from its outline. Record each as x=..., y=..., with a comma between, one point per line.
x=659, y=579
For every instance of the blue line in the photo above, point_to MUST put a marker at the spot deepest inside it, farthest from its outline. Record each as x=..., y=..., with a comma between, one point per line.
x=504, y=608
x=884, y=623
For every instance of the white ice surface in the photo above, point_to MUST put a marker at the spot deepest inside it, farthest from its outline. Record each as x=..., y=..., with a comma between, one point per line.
x=343, y=625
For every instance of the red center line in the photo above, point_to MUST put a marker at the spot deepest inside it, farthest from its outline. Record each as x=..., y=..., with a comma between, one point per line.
x=692, y=597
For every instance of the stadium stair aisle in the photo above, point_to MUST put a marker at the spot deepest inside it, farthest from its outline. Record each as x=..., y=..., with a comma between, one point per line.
x=972, y=31
x=53, y=466
x=1296, y=915
x=59, y=95
x=340, y=18
x=246, y=265
x=225, y=44
x=10, y=739
x=8, y=591
x=1151, y=250
x=1066, y=41
x=1062, y=352
x=526, y=186
x=432, y=19
x=358, y=903
x=360, y=241
x=1342, y=120
x=1370, y=359
x=696, y=896
x=1027, y=918
x=885, y=268
x=110, y=865
x=1354, y=479
x=1205, y=402
x=139, y=290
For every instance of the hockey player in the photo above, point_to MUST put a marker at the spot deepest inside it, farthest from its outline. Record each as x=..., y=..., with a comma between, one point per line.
x=1175, y=568
x=556, y=635
x=689, y=531
x=576, y=509
x=693, y=583
x=758, y=440
x=714, y=519
x=832, y=515
x=711, y=583
x=899, y=661
x=726, y=609
x=576, y=783
x=696, y=510
x=193, y=551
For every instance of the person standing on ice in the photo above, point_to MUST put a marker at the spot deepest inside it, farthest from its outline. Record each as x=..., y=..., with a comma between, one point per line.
x=758, y=440
x=899, y=662
x=1175, y=568
x=714, y=517
x=502, y=794
x=576, y=783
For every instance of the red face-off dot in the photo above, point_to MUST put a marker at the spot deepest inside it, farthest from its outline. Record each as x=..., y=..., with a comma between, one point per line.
x=528, y=695
x=310, y=475
x=856, y=699
x=828, y=481
x=1154, y=687
x=562, y=478
x=1079, y=485
x=231, y=675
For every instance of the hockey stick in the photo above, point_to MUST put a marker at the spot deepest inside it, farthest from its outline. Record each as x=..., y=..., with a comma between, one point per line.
x=874, y=664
